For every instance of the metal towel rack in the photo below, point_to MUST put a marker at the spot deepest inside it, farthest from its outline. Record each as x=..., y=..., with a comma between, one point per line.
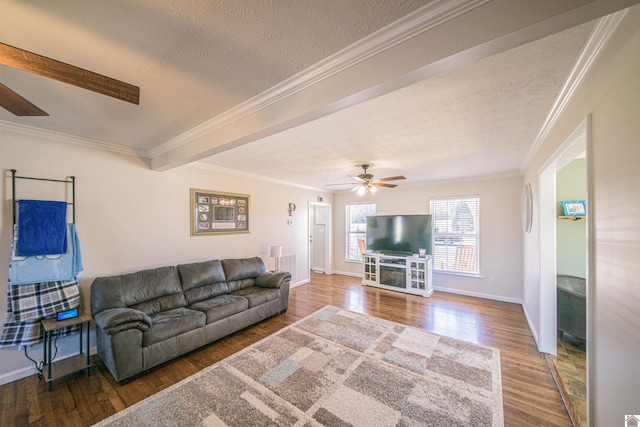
x=71, y=180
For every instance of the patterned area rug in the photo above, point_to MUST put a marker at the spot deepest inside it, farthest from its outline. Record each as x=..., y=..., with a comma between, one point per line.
x=336, y=368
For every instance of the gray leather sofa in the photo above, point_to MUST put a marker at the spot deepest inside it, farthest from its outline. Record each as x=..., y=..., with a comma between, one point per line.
x=148, y=317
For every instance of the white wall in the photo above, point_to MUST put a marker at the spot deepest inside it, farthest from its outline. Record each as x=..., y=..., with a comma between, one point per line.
x=610, y=94
x=500, y=232
x=131, y=218
x=571, y=236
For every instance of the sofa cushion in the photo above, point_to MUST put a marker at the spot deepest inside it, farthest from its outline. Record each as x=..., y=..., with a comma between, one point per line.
x=201, y=273
x=205, y=292
x=272, y=279
x=236, y=285
x=133, y=289
x=257, y=295
x=163, y=303
x=246, y=268
x=115, y=320
x=220, y=307
x=202, y=280
x=171, y=323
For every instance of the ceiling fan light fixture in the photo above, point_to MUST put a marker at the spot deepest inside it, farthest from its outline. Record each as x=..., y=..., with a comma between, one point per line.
x=367, y=183
x=365, y=187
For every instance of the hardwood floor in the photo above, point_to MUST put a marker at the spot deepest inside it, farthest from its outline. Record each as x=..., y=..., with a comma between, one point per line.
x=530, y=396
x=569, y=369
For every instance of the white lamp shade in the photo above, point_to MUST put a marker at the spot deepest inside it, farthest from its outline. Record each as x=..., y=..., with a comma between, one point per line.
x=276, y=251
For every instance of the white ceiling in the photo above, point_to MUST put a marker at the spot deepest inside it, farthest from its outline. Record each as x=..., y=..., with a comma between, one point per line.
x=237, y=78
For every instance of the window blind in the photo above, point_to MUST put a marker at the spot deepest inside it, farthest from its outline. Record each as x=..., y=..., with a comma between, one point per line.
x=456, y=234
x=357, y=228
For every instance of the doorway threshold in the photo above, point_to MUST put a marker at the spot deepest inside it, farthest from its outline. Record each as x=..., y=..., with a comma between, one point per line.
x=568, y=369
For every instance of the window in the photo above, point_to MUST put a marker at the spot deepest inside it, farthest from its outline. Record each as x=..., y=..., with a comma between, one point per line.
x=357, y=228
x=455, y=234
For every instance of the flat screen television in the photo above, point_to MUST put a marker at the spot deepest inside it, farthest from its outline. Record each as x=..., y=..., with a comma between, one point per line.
x=400, y=234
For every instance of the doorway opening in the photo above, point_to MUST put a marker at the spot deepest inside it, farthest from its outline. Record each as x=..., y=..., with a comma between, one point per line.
x=556, y=265
x=319, y=237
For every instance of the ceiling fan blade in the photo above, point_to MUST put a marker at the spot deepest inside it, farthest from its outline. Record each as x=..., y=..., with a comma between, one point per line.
x=343, y=183
x=380, y=184
x=392, y=178
x=16, y=104
x=47, y=67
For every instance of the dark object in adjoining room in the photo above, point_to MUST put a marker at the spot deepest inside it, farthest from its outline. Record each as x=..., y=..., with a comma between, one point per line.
x=572, y=306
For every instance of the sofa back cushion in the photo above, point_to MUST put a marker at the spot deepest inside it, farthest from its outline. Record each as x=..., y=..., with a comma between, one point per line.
x=245, y=268
x=240, y=273
x=150, y=291
x=202, y=280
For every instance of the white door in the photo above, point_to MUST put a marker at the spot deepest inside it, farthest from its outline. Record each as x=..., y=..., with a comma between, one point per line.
x=319, y=226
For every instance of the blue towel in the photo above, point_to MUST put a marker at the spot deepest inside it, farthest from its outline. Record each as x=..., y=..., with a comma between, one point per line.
x=43, y=227
x=46, y=268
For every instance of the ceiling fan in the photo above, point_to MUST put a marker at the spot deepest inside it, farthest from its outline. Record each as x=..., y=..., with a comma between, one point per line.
x=366, y=183
x=47, y=67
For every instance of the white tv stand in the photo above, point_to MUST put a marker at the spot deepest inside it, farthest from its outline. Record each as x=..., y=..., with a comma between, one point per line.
x=410, y=274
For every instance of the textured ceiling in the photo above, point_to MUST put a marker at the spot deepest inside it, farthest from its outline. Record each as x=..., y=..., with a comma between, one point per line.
x=192, y=59
x=478, y=120
x=196, y=60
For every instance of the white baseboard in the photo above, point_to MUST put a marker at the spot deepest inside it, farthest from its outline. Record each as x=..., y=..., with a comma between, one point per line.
x=299, y=282
x=17, y=375
x=450, y=290
x=531, y=328
x=20, y=373
x=497, y=298
x=347, y=273
x=478, y=295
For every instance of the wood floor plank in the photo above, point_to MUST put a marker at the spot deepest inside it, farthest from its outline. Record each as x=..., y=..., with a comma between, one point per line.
x=8, y=406
x=530, y=396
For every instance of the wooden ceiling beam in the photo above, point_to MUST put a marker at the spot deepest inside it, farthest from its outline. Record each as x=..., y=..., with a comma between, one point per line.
x=47, y=67
x=17, y=105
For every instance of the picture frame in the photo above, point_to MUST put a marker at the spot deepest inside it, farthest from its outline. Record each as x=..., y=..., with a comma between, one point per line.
x=574, y=207
x=215, y=212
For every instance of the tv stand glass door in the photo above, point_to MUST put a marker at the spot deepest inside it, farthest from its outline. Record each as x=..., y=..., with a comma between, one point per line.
x=409, y=274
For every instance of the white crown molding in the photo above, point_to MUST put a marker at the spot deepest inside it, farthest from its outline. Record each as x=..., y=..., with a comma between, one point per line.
x=70, y=139
x=597, y=41
x=485, y=177
x=207, y=166
x=421, y=20
x=476, y=178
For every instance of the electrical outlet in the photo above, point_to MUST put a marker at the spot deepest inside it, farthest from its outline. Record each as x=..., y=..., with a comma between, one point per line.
x=492, y=281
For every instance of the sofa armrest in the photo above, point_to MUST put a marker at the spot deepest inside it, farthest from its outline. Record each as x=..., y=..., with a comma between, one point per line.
x=272, y=280
x=115, y=320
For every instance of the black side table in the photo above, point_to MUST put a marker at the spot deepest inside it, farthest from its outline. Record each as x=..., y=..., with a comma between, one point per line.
x=69, y=365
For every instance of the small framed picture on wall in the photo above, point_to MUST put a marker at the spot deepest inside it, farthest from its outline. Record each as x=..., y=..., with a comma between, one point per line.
x=574, y=207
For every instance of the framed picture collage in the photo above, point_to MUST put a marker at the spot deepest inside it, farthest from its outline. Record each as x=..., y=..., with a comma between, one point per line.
x=215, y=212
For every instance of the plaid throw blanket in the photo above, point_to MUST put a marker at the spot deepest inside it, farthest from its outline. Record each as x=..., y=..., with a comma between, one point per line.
x=27, y=305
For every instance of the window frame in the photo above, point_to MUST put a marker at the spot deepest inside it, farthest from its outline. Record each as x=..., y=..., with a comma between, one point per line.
x=450, y=251
x=349, y=232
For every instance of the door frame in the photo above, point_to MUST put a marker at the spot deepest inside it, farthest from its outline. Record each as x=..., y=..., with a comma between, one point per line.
x=328, y=233
x=578, y=142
